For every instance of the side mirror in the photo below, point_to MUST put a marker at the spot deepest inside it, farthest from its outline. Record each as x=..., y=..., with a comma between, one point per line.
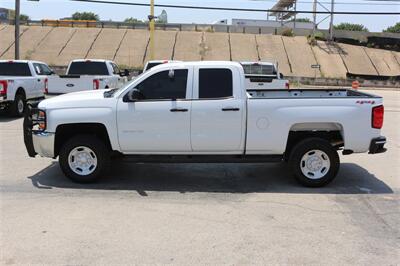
x=133, y=96
x=280, y=75
x=124, y=73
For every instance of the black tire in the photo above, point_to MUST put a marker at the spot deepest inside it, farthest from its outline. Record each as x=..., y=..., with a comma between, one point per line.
x=306, y=148
x=15, y=108
x=99, y=149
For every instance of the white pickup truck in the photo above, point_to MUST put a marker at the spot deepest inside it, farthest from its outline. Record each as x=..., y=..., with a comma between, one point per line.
x=88, y=74
x=201, y=112
x=20, y=81
x=263, y=76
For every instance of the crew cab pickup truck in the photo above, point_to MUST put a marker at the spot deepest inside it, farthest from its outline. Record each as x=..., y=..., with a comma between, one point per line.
x=20, y=81
x=88, y=74
x=263, y=76
x=201, y=112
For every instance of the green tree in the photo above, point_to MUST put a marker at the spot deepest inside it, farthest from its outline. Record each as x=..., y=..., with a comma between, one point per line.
x=301, y=20
x=393, y=29
x=85, y=16
x=24, y=17
x=132, y=20
x=350, y=27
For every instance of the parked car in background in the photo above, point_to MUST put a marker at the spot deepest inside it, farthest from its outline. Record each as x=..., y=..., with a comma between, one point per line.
x=20, y=81
x=153, y=63
x=263, y=76
x=202, y=112
x=88, y=74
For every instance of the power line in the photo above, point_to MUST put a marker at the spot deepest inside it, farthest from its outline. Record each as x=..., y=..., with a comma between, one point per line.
x=341, y=3
x=238, y=9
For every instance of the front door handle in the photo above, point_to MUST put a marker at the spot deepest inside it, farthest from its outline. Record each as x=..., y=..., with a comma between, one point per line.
x=230, y=109
x=179, y=110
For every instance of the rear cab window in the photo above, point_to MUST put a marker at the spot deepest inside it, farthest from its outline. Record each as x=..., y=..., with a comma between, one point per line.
x=88, y=68
x=15, y=69
x=215, y=83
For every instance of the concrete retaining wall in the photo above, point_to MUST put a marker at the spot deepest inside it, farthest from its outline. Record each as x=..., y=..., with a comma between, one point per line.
x=50, y=48
x=29, y=41
x=243, y=47
x=133, y=48
x=163, y=45
x=216, y=46
x=7, y=39
x=384, y=62
x=270, y=47
x=107, y=44
x=356, y=60
x=301, y=57
x=188, y=46
x=328, y=57
x=78, y=46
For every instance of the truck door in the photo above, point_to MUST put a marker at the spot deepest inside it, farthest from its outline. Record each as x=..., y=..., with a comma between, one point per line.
x=160, y=122
x=218, y=111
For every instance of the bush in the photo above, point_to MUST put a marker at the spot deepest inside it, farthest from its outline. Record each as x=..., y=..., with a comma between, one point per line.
x=288, y=33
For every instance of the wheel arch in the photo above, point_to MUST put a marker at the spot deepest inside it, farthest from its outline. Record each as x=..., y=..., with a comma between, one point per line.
x=331, y=132
x=64, y=132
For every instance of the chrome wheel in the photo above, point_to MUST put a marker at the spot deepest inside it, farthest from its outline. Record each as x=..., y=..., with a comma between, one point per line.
x=20, y=106
x=315, y=164
x=82, y=160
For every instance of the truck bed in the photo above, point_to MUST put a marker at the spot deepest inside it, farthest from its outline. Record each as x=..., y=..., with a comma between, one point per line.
x=307, y=93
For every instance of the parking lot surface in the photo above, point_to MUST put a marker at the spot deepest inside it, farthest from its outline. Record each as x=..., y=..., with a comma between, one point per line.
x=200, y=213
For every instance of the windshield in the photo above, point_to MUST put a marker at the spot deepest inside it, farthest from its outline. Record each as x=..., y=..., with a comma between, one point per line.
x=150, y=65
x=112, y=92
x=88, y=68
x=14, y=69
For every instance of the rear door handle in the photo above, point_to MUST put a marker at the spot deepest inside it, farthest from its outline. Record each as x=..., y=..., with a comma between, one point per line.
x=179, y=110
x=225, y=109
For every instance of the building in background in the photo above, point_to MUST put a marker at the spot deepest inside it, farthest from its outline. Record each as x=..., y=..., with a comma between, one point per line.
x=6, y=14
x=272, y=23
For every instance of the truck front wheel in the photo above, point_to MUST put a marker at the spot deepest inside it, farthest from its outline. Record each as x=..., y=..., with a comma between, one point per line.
x=314, y=162
x=84, y=158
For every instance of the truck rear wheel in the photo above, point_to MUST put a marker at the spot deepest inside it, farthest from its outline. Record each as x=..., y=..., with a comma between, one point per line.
x=314, y=162
x=84, y=158
x=17, y=108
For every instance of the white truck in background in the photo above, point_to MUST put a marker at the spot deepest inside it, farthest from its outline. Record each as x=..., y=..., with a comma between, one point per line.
x=88, y=74
x=20, y=81
x=263, y=76
x=202, y=112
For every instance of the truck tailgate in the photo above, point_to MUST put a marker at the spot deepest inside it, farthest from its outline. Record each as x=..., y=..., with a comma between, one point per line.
x=66, y=84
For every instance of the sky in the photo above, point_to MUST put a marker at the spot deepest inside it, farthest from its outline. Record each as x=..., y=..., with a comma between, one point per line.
x=54, y=9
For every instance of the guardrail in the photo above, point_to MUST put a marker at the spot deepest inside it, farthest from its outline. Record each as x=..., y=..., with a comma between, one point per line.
x=201, y=27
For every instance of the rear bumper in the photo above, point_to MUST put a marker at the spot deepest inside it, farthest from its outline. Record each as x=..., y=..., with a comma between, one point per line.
x=377, y=145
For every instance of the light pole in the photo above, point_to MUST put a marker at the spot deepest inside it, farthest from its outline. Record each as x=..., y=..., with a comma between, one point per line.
x=331, y=23
x=151, y=24
x=16, y=20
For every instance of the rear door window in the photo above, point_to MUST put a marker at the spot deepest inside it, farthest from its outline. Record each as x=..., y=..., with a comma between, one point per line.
x=163, y=85
x=215, y=83
x=15, y=69
x=88, y=68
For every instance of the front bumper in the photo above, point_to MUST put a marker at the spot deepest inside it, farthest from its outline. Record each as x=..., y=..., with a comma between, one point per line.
x=37, y=142
x=377, y=145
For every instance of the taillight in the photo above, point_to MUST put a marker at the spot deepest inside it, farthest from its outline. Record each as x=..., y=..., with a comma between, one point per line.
x=46, y=85
x=3, y=87
x=377, y=116
x=287, y=85
x=96, y=84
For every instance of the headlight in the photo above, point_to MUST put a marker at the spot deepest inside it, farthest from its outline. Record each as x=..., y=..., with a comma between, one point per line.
x=38, y=120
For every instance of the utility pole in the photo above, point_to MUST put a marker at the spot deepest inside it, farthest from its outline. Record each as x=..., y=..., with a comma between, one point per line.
x=315, y=16
x=16, y=20
x=151, y=24
x=331, y=23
